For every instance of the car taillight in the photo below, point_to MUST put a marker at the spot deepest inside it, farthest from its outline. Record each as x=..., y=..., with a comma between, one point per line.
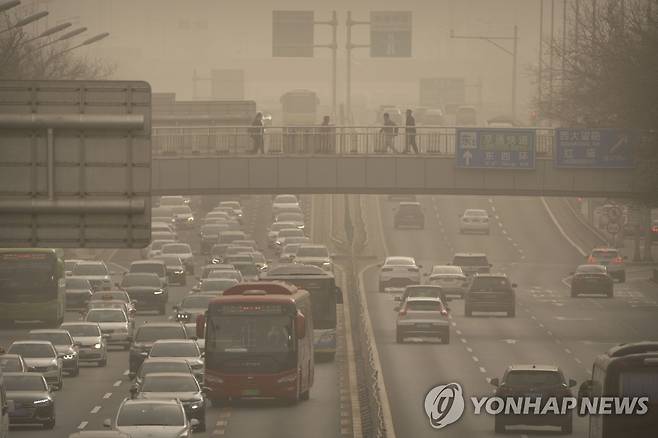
x=403, y=312
x=444, y=312
x=654, y=229
x=617, y=260
x=591, y=260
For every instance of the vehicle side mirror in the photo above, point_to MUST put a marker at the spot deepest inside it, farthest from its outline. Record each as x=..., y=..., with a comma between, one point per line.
x=129, y=339
x=495, y=381
x=107, y=423
x=300, y=325
x=379, y=265
x=176, y=307
x=339, y=295
x=572, y=383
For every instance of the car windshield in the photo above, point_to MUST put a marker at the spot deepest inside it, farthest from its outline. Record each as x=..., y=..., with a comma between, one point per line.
x=400, y=261
x=83, y=330
x=32, y=350
x=55, y=338
x=223, y=273
x=237, y=258
x=164, y=367
x=533, y=378
x=237, y=249
x=278, y=226
x=247, y=269
x=106, y=304
x=480, y=213
x=158, y=244
x=176, y=248
x=605, y=254
x=161, y=212
x=145, y=268
x=90, y=269
x=424, y=306
x=490, y=284
x=151, y=414
x=291, y=217
x=290, y=232
x=25, y=382
x=106, y=315
x=213, y=229
x=151, y=334
x=591, y=269
x=312, y=251
x=170, y=260
x=423, y=291
x=470, y=261
x=232, y=204
x=251, y=334
x=285, y=199
x=181, y=209
x=70, y=264
x=291, y=248
x=172, y=200
x=442, y=270
x=110, y=295
x=155, y=383
x=175, y=349
x=10, y=364
x=77, y=283
x=196, y=302
x=258, y=257
x=217, y=284
x=146, y=279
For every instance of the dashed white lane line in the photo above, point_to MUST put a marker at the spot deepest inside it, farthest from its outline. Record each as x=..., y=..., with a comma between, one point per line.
x=95, y=410
x=493, y=208
x=459, y=332
x=483, y=370
x=504, y=231
x=550, y=333
x=497, y=217
x=117, y=383
x=469, y=349
x=541, y=325
x=454, y=324
x=107, y=395
x=475, y=359
x=463, y=340
x=533, y=317
x=125, y=373
x=557, y=341
x=490, y=200
x=566, y=350
x=82, y=425
x=577, y=360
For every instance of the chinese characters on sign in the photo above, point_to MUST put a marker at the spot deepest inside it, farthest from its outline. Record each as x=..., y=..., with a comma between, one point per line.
x=595, y=148
x=496, y=148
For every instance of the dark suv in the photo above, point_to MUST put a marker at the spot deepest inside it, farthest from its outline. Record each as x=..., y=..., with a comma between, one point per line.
x=145, y=337
x=409, y=214
x=490, y=293
x=533, y=381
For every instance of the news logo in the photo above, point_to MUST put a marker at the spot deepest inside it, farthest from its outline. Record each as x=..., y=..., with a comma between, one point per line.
x=444, y=404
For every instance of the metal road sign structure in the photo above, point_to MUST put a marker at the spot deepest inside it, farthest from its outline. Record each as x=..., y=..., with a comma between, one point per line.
x=489, y=148
x=390, y=34
x=75, y=164
x=595, y=148
x=292, y=34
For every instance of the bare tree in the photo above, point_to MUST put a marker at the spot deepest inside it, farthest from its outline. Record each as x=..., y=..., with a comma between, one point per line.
x=606, y=75
x=23, y=58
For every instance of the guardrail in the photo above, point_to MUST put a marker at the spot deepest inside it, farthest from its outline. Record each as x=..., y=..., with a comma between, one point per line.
x=315, y=140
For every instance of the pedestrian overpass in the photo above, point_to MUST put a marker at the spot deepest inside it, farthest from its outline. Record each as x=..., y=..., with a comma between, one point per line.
x=352, y=159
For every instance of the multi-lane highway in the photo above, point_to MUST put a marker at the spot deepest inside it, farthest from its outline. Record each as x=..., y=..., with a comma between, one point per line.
x=550, y=327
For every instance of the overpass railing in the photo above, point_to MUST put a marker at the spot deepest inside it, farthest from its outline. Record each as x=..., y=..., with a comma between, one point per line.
x=316, y=140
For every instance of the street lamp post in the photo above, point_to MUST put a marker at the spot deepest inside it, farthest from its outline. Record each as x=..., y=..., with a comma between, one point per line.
x=25, y=21
x=66, y=36
x=48, y=32
x=5, y=6
x=86, y=42
x=513, y=53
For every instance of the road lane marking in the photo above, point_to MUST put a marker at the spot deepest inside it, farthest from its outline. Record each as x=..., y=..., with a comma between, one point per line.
x=475, y=359
x=95, y=410
x=483, y=370
x=82, y=425
x=493, y=208
x=459, y=332
x=557, y=341
x=504, y=231
x=566, y=350
x=463, y=340
x=117, y=383
x=550, y=333
x=533, y=317
x=560, y=229
x=125, y=373
x=107, y=395
x=469, y=349
x=577, y=360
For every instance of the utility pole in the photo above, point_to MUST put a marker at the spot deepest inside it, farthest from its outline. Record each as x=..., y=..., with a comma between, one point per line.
x=333, y=46
x=540, y=64
x=513, y=53
x=349, y=46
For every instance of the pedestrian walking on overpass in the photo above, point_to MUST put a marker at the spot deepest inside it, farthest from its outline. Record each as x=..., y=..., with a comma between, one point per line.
x=389, y=131
x=325, y=136
x=257, y=133
x=410, y=133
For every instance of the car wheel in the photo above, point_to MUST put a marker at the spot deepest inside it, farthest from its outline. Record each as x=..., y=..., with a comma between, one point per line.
x=162, y=310
x=574, y=293
x=381, y=287
x=49, y=424
x=445, y=338
x=399, y=338
x=305, y=395
x=102, y=363
x=60, y=384
x=202, y=425
x=622, y=277
x=75, y=372
x=511, y=313
x=499, y=426
x=468, y=311
x=567, y=428
x=610, y=293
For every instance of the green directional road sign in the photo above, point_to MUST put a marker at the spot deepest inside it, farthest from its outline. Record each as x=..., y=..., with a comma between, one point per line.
x=292, y=34
x=390, y=34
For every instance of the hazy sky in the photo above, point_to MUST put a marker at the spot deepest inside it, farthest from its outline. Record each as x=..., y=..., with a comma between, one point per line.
x=163, y=41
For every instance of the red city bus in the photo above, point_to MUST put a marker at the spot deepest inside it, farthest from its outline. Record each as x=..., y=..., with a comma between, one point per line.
x=258, y=343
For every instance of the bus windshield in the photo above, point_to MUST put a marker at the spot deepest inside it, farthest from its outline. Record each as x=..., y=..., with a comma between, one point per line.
x=29, y=273
x=251, y=334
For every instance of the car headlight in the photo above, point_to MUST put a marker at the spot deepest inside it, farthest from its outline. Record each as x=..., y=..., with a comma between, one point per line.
x=190, y=219
x=301, y=227
x=179, y=272
x=158, y=292
x=196, y=405
x=184, y=434
x=97, y=345
x=42, y=401
x=326, y=263
x=69, y=356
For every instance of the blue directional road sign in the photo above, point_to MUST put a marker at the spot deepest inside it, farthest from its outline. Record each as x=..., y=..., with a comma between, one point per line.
x=486, y=148
x=390, y=34
x=595, y=148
